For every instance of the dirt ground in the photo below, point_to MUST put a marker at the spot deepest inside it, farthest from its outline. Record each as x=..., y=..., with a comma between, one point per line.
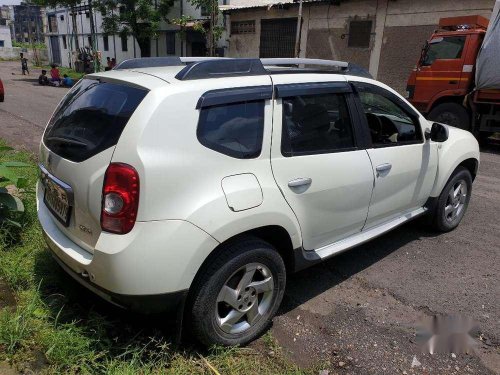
x=358, y=312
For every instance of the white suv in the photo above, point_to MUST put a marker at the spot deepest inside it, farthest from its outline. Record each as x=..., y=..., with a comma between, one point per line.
x=197, y=186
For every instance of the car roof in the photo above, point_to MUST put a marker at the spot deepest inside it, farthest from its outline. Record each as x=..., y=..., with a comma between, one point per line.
x=158, y=76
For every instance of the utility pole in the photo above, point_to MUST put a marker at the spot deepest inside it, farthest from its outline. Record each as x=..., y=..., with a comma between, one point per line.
x=93, y=38
x=299, y=26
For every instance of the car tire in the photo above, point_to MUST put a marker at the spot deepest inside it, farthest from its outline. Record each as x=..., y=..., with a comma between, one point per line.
x=453, y=201
x=452, y=114
x=237, y=293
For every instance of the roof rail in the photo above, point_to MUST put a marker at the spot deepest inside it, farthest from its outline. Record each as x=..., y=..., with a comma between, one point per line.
x=221, y=67
x=303, y=61
x=214, y=67
x=147, y=62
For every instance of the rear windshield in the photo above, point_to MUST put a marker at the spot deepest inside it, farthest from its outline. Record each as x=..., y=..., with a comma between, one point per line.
x=91, y=118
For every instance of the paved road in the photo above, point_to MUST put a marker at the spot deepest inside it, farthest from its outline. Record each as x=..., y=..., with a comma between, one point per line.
x=27, y=107
x=358, y=311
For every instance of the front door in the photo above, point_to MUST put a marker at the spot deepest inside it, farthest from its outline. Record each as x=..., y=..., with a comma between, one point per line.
x=441, y=67
x=404, y=165
x=318, y=163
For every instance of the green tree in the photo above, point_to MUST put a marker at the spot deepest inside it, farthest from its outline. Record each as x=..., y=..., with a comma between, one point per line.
x=139, y=18
x=215, y=30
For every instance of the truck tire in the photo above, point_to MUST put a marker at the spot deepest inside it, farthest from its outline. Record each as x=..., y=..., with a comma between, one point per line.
x=453, y=201
x=237, y=293
x=452, y=114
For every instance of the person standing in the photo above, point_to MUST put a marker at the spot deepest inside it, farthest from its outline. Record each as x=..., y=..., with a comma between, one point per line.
x=24, y=64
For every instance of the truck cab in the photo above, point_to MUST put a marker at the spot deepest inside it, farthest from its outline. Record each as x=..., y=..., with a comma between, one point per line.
x=444, y=73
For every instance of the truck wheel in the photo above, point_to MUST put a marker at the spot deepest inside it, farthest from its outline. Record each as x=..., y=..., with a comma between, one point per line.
x=451, y=114
x=453, y=201
x=237, y=294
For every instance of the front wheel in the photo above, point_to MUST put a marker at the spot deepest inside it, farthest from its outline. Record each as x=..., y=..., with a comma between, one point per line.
x=452, y=114
x=453, y=201
x=238, y=293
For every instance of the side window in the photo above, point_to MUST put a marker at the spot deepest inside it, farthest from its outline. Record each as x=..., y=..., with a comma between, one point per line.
x=314, y=124
x=389, y=122
x=449, y=47
x=234, y=129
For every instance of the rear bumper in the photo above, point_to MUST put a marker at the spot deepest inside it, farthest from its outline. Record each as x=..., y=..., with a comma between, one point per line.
x=168, y=303
x=149, y=269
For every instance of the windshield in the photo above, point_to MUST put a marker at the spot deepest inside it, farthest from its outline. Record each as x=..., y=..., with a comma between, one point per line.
x=91, y=118
x=448, y=47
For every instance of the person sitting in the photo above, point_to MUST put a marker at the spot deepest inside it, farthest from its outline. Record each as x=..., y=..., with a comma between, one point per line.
x=54, y=73
x=67, y=81
x=43, y=79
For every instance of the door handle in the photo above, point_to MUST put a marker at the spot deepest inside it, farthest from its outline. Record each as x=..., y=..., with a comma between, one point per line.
x=452, y=82
x=383, y=168
x=303, y=181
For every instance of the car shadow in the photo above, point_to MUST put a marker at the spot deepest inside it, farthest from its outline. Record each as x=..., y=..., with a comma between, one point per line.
x=493, y=147
x=304, y=286
x=71, y=302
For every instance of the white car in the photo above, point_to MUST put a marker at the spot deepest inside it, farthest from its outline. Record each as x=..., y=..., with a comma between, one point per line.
x=195, y=187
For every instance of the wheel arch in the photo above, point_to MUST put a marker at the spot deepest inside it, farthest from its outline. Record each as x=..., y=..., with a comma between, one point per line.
x=444, y=97
x=275, y=235
x=461, y=149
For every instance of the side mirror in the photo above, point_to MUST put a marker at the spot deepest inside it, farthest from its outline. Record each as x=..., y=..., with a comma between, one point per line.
x=439, y=132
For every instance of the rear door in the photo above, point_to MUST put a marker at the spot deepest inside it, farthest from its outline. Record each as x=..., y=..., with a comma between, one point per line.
x=319, y=161
x=441, y=68
x=77, y=148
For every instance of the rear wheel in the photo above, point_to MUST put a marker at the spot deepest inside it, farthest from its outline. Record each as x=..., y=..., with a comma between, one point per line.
x=238, y=293
x=452, y=114
x=453, y=201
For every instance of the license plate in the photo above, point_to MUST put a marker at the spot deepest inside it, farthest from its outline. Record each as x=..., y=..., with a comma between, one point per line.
x=56, y=199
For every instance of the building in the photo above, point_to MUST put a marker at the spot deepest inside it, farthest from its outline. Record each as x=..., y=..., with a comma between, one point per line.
x=383, y=36
x=69, y=29
x=27, y=24
x=5, y=38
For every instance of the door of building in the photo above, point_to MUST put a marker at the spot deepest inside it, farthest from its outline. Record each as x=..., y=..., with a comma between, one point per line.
x=56, y=50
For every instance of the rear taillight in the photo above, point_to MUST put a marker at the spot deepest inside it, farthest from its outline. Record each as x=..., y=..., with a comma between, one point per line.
x=120, y=198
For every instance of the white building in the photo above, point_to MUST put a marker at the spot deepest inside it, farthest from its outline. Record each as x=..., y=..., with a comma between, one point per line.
x=5, y=37
x=62, y=40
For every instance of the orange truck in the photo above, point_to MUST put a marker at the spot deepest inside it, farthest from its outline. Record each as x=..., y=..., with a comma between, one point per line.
x=457, y=77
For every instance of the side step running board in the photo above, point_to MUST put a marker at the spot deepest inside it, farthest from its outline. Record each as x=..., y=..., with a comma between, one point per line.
x=359, y=238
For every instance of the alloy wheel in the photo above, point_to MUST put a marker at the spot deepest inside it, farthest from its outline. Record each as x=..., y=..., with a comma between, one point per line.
x=455, y=202
x=245, y=297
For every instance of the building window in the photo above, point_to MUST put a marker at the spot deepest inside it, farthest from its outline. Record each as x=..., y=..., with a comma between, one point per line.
x=205, y=12
x=170, y=37
x=105, y=40
x=87, y=14
x=89, y=38
x=2, y=43
x=62, y=17
x=243, y=27
x=52, y=23
x=124, y=43
x=359, y=34
x=65, y=45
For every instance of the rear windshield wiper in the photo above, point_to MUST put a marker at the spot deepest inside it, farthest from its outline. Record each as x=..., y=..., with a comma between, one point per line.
x=69, y=141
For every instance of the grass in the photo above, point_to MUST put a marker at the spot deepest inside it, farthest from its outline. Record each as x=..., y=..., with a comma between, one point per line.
x=58, y=327
x=63, y=70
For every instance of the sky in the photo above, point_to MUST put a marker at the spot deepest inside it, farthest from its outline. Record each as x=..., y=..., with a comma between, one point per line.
x=9, y=2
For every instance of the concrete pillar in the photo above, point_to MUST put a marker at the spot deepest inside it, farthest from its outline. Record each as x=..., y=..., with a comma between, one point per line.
x=379, y=36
